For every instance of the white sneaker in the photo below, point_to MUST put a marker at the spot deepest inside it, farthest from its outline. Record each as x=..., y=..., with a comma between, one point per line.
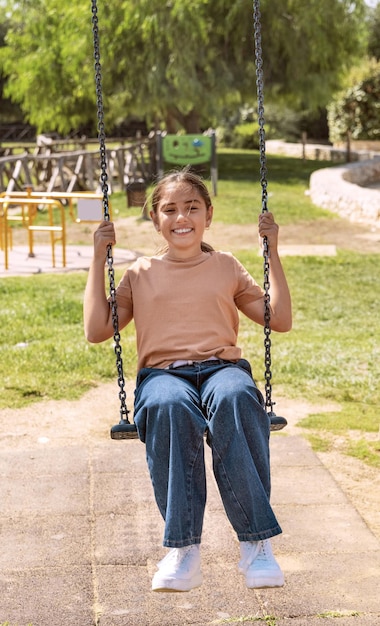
x=259, y=565
x=179, y=570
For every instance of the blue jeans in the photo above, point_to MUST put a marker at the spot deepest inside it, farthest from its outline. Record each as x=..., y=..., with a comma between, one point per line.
x=173, y=410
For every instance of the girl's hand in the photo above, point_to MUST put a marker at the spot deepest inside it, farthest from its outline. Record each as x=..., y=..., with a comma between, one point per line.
x=103, y=237
x=269, y=229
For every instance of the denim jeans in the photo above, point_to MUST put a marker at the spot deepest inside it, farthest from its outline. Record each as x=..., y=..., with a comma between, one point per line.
x=174, y=408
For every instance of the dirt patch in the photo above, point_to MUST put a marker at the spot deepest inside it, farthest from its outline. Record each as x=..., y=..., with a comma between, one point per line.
x=139, y=235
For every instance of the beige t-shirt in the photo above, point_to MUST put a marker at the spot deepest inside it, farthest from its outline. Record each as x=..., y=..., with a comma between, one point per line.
x=186, y=309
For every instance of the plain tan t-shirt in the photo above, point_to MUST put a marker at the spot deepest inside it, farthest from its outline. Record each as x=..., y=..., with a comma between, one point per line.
x=186, y=309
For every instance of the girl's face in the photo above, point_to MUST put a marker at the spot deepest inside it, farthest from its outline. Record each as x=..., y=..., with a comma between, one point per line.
x=182, y=217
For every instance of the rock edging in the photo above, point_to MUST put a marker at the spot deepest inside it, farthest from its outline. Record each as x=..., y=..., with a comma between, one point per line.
x=341, y=189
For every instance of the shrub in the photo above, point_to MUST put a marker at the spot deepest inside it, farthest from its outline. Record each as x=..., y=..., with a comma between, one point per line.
x=357, y=111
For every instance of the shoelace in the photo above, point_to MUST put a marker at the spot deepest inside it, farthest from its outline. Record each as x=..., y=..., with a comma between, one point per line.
x=262, y=553
x=255, y=548
x=176, y=555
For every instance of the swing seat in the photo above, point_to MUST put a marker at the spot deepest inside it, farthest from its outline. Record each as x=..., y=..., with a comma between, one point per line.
x=276, y=421
x=126, y=430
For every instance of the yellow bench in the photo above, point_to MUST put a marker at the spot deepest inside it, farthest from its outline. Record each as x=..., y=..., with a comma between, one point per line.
x=89, y=209
x=31, y=204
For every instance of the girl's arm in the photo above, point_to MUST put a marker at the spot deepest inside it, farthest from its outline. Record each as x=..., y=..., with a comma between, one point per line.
x=98, y=325
x=280, y=301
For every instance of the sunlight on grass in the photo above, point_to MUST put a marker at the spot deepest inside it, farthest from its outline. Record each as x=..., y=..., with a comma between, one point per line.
x=353, y=416
x=351, y=431
x=337, y=614
x=240, y=203
x=265, y=620
x=367, y=451
x=320, y=443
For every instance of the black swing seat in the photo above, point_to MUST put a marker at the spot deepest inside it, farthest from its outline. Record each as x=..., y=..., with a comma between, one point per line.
x=126, y=430
x=276, y=421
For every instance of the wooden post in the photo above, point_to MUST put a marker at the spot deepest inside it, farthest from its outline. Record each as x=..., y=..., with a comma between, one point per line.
x=304, y=140
x=348, y=150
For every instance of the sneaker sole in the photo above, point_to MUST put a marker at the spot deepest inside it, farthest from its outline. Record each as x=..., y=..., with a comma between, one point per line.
x=173, y=585
x=264, y=583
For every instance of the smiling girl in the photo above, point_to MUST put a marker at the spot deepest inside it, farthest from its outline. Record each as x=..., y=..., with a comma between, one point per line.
x=192, y=380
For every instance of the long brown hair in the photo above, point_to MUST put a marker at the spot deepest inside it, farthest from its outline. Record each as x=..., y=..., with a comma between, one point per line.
x=184, y=175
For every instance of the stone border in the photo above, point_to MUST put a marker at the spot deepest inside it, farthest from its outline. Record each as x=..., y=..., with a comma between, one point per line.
x=342, y=189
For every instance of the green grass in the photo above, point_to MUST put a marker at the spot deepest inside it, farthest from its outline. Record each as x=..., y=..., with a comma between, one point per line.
x=266, y=620
x=331, y=355
x=43, y=351
x=239, y=191
x=337, y=614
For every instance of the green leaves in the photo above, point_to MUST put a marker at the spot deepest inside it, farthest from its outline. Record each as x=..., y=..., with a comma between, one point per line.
x=177, y=62
x=357, y=110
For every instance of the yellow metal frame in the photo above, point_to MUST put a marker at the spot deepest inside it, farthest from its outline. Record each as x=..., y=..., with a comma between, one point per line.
x=27, y=218
x=28, y=201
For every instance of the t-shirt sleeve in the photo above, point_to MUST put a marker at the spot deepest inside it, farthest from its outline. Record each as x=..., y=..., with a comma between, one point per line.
x=247, y=289
x=124, y=294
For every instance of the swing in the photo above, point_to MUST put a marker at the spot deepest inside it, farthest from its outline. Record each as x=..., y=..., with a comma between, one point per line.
x=124, y=429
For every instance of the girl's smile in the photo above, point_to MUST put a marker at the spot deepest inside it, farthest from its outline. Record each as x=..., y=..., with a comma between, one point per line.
x=182, y=217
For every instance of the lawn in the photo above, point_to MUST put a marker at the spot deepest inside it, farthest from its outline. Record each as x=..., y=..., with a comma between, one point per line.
x=332, y=353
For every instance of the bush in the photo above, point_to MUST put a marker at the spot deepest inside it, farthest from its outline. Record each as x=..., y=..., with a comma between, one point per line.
x=247, y=136
x=357, y=111
x=241, y=130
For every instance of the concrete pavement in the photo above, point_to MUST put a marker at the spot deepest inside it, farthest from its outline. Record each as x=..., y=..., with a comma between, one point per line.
x=78, y=257
x=80, y=533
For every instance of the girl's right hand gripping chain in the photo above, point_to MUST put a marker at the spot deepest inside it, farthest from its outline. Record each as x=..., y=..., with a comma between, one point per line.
x=104, y=236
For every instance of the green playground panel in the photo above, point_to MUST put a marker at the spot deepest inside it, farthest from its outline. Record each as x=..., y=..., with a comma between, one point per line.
x=186, y=149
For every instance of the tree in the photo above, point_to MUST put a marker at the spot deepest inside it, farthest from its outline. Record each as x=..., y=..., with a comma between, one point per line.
x=47, y=62
x=374, y=34
x=356, y=110
x=177, y=62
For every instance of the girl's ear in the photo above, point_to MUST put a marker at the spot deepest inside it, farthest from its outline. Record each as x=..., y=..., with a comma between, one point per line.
x=209, y=214
x=154, y=220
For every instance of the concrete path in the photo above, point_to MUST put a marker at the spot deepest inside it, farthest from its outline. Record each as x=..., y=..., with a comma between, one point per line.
x=80, y=533
x=77, y=258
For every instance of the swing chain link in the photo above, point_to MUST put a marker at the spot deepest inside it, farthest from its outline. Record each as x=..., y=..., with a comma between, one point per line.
x=264, y=200
x=106, y=213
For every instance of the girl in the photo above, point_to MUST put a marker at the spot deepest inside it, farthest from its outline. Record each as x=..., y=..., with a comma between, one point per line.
x=192, y=380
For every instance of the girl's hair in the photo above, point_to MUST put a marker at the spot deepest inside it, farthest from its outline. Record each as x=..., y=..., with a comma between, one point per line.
x=182, y=176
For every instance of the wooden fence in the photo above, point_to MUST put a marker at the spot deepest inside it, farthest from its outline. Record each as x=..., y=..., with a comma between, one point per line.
x=47, y=169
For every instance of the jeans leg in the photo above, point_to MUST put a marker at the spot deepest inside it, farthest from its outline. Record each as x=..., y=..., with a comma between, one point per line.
x=239, y=432
x=170, y=421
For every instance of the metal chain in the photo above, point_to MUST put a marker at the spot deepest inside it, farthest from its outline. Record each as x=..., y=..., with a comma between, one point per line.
x=264, y=199
x=106, y=213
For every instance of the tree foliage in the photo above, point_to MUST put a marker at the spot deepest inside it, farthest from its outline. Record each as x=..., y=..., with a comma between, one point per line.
x=357, y=110
x=374, y=34
x=177, y=62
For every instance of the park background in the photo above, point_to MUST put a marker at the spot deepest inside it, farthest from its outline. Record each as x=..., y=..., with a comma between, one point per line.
x=185, y=67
